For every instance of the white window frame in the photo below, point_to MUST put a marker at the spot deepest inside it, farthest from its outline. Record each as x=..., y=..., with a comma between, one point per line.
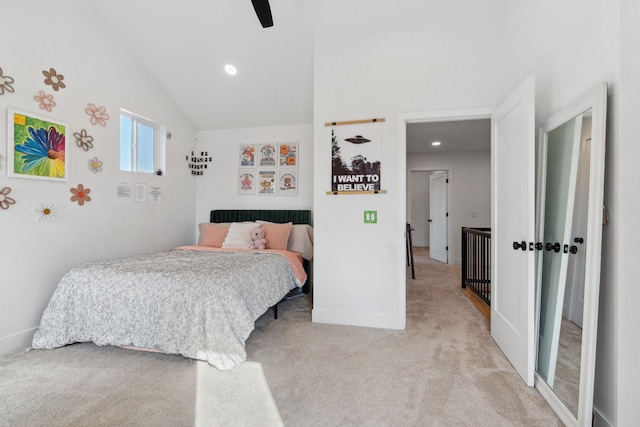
x=159, y=144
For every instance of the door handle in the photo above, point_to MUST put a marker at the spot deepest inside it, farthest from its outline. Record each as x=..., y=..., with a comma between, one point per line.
x=429, y=220
x=552, y=247
x=522, y=245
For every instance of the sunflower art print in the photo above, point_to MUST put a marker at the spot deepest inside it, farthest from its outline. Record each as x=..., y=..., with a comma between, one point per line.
x=37, y=146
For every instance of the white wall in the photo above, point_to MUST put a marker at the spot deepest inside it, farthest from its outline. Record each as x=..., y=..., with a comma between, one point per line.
x=442, y=57
x=626, y=176
x=470, y=180
x=218, y=187
x=97, y=68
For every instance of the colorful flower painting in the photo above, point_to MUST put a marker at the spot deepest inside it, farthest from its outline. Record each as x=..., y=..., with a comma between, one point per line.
x=80, y=194
x=38, y=147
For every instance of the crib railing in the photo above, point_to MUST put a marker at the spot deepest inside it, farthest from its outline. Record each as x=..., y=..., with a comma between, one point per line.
x=476, y=261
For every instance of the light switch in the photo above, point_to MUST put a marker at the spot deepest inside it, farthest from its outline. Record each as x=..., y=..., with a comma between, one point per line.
x=370, y=217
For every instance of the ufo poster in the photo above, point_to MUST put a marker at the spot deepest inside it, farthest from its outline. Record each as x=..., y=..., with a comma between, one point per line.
x=355, y=157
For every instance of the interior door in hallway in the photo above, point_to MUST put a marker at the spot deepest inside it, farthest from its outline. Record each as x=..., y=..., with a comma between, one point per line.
x=438, y=218
x=512, y=228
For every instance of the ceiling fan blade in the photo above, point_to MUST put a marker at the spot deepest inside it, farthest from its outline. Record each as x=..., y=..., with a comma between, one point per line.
x=263, y=10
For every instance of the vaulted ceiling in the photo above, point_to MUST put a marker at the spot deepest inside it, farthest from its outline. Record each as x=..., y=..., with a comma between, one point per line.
x=184, y=45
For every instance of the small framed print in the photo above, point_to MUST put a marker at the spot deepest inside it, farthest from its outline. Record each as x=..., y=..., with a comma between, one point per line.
x=247, y=181
x=267, y=182
x=248, y=155
x=288, y=155
x=37, y=147
x=288, y=183
x=267, y=155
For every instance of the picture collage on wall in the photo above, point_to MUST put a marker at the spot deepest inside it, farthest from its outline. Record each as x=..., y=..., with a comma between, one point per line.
x=269, y=169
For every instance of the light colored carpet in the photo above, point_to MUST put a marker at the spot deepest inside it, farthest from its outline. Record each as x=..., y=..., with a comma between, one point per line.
x=86, y=385
x=443, y=370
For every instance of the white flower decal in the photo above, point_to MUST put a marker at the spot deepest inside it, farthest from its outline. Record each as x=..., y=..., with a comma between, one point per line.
x=47, y=212
x=95, y=165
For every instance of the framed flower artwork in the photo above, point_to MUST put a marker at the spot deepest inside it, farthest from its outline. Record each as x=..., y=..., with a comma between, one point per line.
x=36, y=147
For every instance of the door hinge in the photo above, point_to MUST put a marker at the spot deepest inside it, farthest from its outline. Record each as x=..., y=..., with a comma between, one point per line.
x=447, y=214
x=447, y=181
x=447, y=247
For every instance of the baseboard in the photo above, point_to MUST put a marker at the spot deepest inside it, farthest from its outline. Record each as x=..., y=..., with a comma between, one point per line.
x=369, y=320
x=600, y=419
x=19, y=340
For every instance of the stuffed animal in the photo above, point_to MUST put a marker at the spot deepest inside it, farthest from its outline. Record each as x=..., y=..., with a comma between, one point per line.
x=258, y=240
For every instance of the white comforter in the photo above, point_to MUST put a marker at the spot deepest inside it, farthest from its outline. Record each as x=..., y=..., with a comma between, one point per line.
x=202, y=305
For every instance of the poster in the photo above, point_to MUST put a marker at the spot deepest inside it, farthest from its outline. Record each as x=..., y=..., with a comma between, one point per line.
x=36, y=147
x=124, y=192
x=267, y=155
x=247, y=181
x=288, y=154
x=288, y=183
x=247, y=155
x=140, y=192
x=267, y=182
x=355, y=157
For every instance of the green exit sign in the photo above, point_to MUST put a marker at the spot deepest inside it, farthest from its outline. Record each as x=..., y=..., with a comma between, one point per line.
x=370, y=217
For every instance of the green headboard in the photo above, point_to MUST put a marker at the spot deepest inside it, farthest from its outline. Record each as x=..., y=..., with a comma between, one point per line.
x=281, y=216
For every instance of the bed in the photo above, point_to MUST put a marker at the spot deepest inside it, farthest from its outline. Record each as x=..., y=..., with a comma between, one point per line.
x=200, y=301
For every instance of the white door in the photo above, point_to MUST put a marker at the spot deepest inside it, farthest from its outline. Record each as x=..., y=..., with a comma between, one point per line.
x=512, y=221
x=419, y=199
x=438, y=242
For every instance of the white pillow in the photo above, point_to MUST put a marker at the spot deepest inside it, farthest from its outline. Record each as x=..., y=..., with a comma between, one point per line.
x=239, y=235
x=301, y=240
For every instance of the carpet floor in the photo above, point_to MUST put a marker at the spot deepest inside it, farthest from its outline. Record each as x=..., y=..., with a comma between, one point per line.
x=442, y=370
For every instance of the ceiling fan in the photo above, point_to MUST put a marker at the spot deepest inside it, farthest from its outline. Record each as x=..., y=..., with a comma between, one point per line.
x=264, y=12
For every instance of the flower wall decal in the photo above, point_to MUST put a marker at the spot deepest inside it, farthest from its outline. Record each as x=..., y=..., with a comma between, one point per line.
x=43, y=152
x=95, y=165
x=98, y=114
x=83, y=140
x=80, y=194
x=6, y=83
x=46, y=101
x=47, y=212
x=5, y=200
x=53, y=79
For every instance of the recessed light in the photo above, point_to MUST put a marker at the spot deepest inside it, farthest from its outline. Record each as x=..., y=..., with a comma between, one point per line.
x=230, y=69
x=435, y=143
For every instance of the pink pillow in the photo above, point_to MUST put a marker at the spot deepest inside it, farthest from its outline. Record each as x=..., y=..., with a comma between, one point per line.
x=212, y=234
x=277, y=235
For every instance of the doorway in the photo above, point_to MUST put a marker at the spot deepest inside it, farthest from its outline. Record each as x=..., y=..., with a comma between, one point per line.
x=465, y=154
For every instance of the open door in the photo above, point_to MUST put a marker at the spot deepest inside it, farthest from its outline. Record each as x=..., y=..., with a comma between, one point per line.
x=512, y=228
x=438, y=217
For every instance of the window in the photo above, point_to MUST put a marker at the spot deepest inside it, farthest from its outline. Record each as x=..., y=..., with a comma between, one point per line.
x=141, y=144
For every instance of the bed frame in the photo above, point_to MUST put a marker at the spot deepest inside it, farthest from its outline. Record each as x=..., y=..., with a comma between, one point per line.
x=280, y=216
